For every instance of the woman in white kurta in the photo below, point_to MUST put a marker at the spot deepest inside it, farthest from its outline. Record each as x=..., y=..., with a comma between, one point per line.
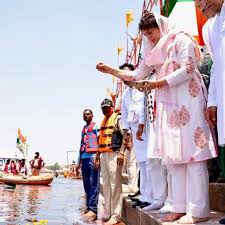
x=183, y=136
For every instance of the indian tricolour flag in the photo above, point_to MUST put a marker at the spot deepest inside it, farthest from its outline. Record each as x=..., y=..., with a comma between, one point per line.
x=20, y=138
x=186, y=16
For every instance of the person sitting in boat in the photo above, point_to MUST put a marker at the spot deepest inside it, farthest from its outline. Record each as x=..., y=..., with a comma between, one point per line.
x=36, y=164
x=23, y=168
x=7, y=166
x=13, y=167
x=17, y=163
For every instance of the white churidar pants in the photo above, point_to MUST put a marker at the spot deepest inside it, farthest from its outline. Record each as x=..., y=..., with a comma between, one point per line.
x=145, y=183
x=140, y=149
x=189, y=188
x=132, y=170
x=158, y=181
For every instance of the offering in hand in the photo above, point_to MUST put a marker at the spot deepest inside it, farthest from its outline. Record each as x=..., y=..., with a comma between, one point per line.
x=140, y=84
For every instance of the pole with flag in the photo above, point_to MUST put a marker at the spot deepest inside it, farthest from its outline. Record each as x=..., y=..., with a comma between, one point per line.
x=129, y=19
x=20, y=138
x=119, y=50
x=21, y=143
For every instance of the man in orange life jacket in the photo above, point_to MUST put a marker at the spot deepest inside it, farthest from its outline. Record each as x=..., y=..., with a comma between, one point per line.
x=112, y=148
x=90, y=174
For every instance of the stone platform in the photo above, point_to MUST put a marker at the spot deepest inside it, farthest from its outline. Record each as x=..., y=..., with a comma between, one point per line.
x=217, y=196
x=138, y=217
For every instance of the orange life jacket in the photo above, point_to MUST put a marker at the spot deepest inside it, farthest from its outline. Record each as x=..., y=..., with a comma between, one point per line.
x=107, y=129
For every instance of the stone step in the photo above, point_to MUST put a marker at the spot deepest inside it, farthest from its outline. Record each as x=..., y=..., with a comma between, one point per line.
x=216, y=194
x=139, y=217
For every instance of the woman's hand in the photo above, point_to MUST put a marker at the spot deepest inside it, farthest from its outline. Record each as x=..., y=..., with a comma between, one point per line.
x=104, y=68
x=144, y=85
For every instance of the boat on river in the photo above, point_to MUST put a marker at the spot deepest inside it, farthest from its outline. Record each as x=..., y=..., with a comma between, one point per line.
x=44, y=179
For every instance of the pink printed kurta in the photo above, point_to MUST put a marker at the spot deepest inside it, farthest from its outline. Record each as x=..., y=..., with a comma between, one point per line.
x=182, y=132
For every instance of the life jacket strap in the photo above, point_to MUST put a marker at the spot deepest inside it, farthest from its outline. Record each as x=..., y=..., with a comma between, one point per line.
x=105, y=145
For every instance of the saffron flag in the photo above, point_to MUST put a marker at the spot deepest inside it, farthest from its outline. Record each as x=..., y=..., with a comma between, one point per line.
x=119, y=50
x=129, y=17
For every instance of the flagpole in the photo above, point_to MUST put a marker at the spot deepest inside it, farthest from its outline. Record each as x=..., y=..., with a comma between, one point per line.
x=135, y=51
x=161, y=6
x=127, y=46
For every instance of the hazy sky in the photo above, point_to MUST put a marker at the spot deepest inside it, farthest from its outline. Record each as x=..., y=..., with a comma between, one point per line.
x=48, y=53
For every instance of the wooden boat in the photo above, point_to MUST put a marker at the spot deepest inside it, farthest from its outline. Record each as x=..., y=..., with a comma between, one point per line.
x=32, y=180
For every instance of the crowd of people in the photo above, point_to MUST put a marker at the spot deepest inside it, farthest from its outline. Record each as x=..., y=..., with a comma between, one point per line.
x=19, y=167
x=15, y=167
x=167, y=121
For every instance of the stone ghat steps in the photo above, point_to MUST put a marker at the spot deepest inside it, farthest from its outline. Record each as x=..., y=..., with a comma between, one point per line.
x=138, y=217
x=97, y=222
x=216, y=194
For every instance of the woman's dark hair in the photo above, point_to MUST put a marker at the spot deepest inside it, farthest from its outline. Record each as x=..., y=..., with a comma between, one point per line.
x=147, y=21
x=128, y=65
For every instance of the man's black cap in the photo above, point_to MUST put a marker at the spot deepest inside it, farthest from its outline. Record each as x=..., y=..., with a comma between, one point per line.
x=107, y=103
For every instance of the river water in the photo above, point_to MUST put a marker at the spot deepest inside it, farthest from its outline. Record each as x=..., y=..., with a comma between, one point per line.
x=56, y=204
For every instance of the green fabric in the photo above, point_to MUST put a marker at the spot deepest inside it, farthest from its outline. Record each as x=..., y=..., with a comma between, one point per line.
x=167, y=9
x=18, y=141
x=222, y=160
x=205, y=69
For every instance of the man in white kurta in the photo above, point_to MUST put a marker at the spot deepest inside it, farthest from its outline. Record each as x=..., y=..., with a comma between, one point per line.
x=152, y=172
x=214, y=37
x=155, y=170
x=132, y=114
x=133, y=117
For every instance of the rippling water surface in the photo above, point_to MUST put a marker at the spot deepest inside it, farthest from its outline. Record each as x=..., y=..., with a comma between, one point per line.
x=58, y=203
